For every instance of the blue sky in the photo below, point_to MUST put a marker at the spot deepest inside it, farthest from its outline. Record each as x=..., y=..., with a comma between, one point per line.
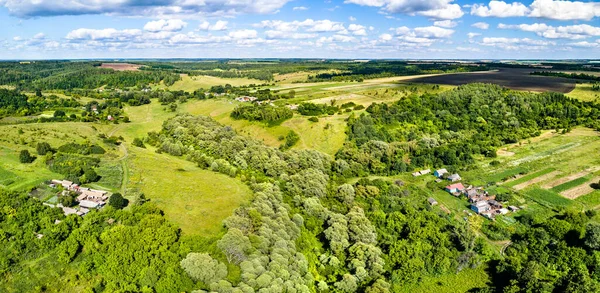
x=366, y=29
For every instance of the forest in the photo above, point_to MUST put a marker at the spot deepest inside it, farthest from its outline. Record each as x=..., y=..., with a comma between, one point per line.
x=450, y=128
x=581, y=76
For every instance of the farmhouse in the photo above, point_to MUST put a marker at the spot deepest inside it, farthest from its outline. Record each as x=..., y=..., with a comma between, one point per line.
x=455, y=189
x=88, y=198
x=245, y=99
x=439, y=173
x=422, y=172
x=454, y=177
x=480, y=207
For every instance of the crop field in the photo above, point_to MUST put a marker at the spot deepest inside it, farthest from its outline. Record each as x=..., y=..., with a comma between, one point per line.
x=517, y=79
x=121, y=66
x=556, y=168
x=192, y=83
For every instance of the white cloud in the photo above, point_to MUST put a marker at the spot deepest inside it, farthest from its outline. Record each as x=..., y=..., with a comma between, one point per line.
x=169, y=25
x=385, y=37
x=271, y=34
x=243, y=34
x=403, y=30
x=445, y=23
x=357, y=30
x=585, y=44
x=500, y=9
x=473, y=35
x=39, y=36
x=433, y=32
x=157, y=8
x=565, y=10
x=440, y=9
x=481, y=25
x=309, y=25
x=580, y=31
x=505, y=41
x=550, y=9
x=352, y=18
x=220, y=25
x=297, y=8
x=103, y=34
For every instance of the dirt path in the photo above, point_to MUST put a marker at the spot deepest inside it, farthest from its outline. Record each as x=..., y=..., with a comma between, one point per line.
x=535, y=180
x=580, y=190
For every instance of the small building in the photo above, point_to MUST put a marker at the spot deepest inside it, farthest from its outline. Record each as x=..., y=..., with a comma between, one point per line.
x=454, y=177
x=422, y=172
x=480, y=207
x=503, y=211
x=69, y=211
x=513, y=208
x=439, y=173
x=455, y=188
x=432, y=201
x=88, y=204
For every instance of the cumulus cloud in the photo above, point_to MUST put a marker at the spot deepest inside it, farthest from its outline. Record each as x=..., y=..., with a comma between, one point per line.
x=580, y=31
x=243, y=34
x=103, y=34
x=37, y=8
x=309, y=25
x=473, y=35
x=220, y=25
x=441, y=9
x=445, y=23
x=357, y=30
x=550, y=9
x=433, y=32
x=500, y=9
x=300, y=8
x=271, y=34
x=481, y=25
x=169, y=25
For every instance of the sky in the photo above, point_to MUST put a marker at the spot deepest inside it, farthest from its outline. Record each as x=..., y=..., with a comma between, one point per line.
x=344, y=29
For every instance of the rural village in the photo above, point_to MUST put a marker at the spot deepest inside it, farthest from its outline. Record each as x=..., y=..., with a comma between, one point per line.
x=87, y=198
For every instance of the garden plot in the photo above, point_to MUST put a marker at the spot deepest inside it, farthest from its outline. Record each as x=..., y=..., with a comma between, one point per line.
x=536, y=180
x=569, y=178
x=580, y=190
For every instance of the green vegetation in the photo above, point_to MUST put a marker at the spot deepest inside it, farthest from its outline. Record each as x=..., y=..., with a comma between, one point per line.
x=266, y=113
x=582, y=76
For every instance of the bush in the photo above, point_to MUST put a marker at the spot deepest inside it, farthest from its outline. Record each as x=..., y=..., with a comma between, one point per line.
x=138, y=143
x=25, y=157
x=43, y=148
x=117, y=201
x=313, y=119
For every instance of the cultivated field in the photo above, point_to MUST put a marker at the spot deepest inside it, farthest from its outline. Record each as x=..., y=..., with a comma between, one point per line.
x=553, y=169
x=584, y=92
x=121, y=66
x=517, y=79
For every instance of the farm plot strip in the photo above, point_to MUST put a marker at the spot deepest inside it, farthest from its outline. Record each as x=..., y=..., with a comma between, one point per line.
x=580, y=190
x=536, y=180
x=569, y=178
x=527, y=177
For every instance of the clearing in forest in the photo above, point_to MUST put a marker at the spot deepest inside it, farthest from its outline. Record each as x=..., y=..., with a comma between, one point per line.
x=121, y=66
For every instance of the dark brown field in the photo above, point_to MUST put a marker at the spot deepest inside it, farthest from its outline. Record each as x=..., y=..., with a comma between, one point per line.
x=121, y=66
x=517, y=79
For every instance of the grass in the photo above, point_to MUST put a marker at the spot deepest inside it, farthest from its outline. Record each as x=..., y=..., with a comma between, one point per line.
x=584, y=92
x=196, y=200
x=547, y=197
x=571, y=184
x=192, y=83
x=22, y=176
x=461, y=282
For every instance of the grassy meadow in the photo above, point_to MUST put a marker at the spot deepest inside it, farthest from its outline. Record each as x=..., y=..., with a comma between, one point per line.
x=192, y=83
x=584, y=92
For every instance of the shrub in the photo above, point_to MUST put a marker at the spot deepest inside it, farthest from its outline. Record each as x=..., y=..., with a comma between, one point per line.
x=313, y=119
x=117, y=201
x=25, y=157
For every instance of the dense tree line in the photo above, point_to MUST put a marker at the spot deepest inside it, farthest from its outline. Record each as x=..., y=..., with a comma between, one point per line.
x=65, y=75
x=15, y=103
x=106, y=251
x=266, y=113
x=582, y=76
x=451, y=127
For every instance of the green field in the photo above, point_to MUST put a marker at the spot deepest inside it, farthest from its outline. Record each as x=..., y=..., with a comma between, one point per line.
x=463, y=281
x=196, y=200
x=584, y=92
x=193, y=83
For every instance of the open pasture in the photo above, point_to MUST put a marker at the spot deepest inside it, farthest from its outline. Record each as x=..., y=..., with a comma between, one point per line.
x=193, y=83
x=584, y=92
x=517, y=79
